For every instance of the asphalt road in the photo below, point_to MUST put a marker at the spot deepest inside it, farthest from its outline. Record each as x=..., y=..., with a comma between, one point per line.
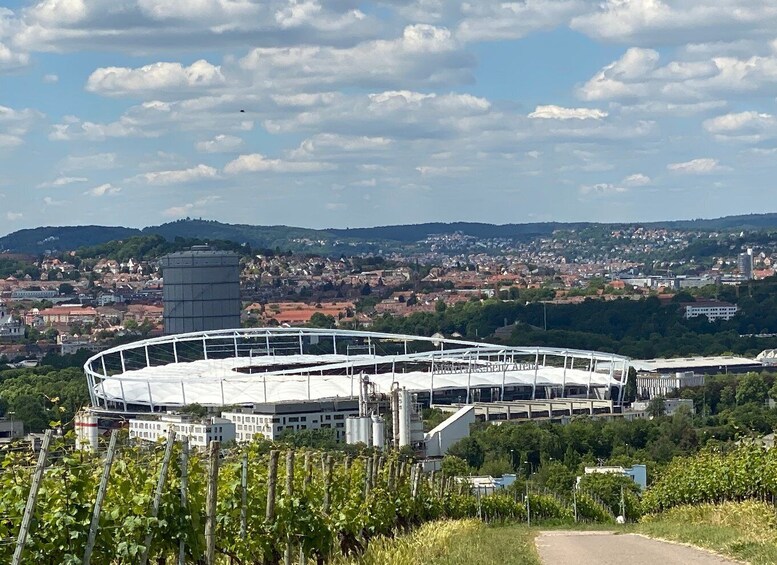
x=607, y=548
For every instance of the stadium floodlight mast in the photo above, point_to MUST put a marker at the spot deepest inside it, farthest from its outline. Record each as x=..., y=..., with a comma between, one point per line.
x=256, y=365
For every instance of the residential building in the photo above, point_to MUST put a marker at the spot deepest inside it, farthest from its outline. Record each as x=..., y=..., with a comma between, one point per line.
x=713, y=309
x=68, y=314
x=68, y=344
x=272, y=419
x=11, y=328
x=199, y=431
x=25, y=294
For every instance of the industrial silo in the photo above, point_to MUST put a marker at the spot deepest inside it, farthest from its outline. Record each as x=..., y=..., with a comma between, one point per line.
x=201, y=290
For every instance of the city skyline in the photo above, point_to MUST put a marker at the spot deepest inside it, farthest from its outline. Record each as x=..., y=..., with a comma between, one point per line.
x=347, y=114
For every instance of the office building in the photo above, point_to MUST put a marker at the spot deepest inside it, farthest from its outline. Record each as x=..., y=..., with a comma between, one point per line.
x=271, y=420
x=199, y=431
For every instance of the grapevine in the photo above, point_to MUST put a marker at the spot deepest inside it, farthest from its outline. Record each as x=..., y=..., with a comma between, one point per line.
x=335, y=505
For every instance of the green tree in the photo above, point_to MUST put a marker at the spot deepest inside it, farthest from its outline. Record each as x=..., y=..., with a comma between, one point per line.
x=319, y=320
x=496, y=467
x=30, y=410
x=66, y=289
x=752, y=388
x=453, y=466
x=656, y=407
x=469, y=450
x=630, y=394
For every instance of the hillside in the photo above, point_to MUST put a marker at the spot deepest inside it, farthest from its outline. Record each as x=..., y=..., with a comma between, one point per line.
x=39, y=240
x=336, y=240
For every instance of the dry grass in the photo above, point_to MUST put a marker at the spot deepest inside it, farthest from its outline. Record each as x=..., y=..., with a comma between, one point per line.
x=456, y=542
x=742, y=530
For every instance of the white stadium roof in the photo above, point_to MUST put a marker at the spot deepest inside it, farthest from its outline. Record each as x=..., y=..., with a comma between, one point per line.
x=117, y=379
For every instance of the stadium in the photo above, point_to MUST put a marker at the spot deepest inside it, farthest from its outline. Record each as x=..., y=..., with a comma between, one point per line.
x=243, y=367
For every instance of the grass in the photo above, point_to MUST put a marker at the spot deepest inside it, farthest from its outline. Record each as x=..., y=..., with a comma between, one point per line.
x=742, y=530
x=455, y=542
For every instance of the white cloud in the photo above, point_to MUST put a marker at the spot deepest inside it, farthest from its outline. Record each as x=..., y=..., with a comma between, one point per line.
x=335, y=145
x=74, y=129
x=15, y=124
x=638, y=77
x=603, y=189
x=220, y=144
x=49, y=201
x=637, y=179
x=423, y=56
x=489, y=21
x=183, y=210
x=11, y=59
x=98, y=161
x=742, y=126
x=13, y=216
x=676, y=21
x=194, y=174
x=62, y=181
x=10, y=140
x=622, y=78
x=106, y=189
x=428, y=171
x=256, y=162
x=158, y=78
x=148, y=26
x=395, y=114
x=697, y=167
x=50, y=78
x=559, y=113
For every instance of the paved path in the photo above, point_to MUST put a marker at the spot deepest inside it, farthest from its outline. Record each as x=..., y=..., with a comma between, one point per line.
x=606, y=548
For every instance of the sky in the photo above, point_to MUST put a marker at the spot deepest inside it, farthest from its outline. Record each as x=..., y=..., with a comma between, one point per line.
x=341, y=113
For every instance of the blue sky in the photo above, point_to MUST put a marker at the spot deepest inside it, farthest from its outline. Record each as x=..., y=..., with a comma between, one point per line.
x=346, y=113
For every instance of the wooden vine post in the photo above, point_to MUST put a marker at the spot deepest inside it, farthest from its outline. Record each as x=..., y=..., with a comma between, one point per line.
x=308, y=471
x=98, y=502
x=289, y=493
x=244, y=495
x=210, y=503
x=29, y=508
x=160, y=485
x=328, y=483
x=184, y=465
x=272, y=478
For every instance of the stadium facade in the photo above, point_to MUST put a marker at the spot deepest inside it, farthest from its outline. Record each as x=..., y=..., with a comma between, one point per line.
x=245, y=367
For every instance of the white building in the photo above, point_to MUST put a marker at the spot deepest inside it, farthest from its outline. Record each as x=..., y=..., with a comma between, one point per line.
x=713, y=309
x=10, y=327
x=25, y=294
x=272, y=419
x=651, y=385
x=199, y=431
x=671, y=405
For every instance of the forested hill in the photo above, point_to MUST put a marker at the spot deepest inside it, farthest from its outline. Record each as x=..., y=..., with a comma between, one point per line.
x=334, y=240
x=38, y=240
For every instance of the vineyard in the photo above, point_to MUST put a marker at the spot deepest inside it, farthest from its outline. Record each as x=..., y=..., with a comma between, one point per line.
x=246, y=505
x=748, y=471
